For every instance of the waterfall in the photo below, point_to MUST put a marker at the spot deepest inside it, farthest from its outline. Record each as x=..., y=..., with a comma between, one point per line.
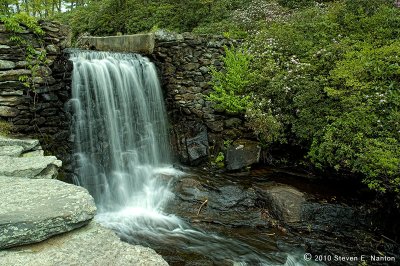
x=122, y=154
x=120, y=129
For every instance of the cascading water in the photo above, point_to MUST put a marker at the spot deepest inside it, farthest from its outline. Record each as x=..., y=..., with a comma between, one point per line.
x=122, y=153
x=120, y=129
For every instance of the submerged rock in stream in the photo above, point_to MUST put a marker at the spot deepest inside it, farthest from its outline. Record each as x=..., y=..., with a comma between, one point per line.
x=207, y=201
x=283, y=217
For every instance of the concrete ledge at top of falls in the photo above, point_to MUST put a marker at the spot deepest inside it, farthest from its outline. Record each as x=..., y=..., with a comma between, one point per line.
x=91, y=245
x=32, y=210
x=139, y=43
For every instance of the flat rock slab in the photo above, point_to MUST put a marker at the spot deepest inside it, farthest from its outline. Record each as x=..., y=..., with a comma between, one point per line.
x=32, y=210
x=13, y=151
x=29, y=167
x=91, y=245
x=26, y=144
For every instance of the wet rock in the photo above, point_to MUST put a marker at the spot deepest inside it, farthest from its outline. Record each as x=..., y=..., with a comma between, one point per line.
x=332, y=215
x=209, y=200
x=91, y=245
x=242, y=153
x=191, y=142
x=284, y=202
x=30, y=167
x=197, y=146
x=34, y=210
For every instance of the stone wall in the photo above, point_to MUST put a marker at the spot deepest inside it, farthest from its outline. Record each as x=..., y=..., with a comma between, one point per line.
x=38, y=111
x=198, y=129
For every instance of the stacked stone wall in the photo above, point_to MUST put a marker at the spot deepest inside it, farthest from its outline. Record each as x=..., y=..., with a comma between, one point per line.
x=38, y=111
x=198, y=128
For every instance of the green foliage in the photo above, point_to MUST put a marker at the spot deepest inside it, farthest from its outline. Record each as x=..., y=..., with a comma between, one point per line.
x=296, y=3
x=330, y=74
x=364, y=136
x=231, y=83
x=220, y=157
x=107, y=17
x=17, y=24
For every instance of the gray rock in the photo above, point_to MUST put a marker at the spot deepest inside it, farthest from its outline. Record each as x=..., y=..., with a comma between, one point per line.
x=164, y=35
x=191, y=66
x=8, y=111
x=34, y=210
x=91, y=245
x=12, y=151
x=27, y=144
x=33, y=153
x=11, y=100
x=233, y=122
x=30, y=167
x=283, y=201
x=197, y=147
x=12, y=75
x=5, y=64
x=216, y=126
x=242, y=153
x=224, y=202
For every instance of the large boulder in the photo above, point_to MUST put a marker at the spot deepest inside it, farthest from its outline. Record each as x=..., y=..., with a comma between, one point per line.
x=32, y=210
x=283, y=201
x=89, y=245
x=242, y=153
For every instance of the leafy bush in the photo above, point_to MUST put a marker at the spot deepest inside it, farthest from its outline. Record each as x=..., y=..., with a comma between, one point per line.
x=230, y=84
x=331, y=73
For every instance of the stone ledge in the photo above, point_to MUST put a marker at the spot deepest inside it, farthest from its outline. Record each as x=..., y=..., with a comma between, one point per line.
x=89, y=245
x=34, y=210
x=139, y=43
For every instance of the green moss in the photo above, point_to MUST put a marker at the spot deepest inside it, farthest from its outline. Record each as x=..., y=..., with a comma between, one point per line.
x=5, y=128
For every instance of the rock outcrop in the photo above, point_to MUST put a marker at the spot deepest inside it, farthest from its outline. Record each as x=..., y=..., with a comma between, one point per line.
x=34, y=210
x=29, y=167
x=91, y=245
x=24, y=158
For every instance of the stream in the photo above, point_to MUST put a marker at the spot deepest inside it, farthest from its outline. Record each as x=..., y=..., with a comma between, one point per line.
x=190, y=216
